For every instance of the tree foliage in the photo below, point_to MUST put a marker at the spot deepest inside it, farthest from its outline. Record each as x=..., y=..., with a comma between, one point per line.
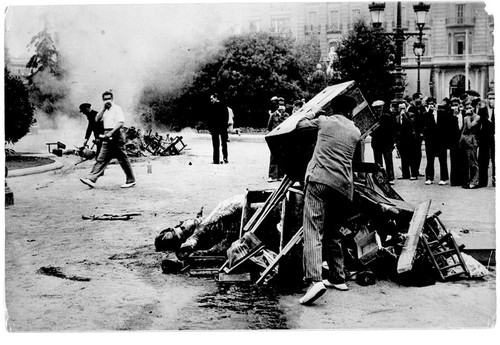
x=47, y=86
x=246, y=73
x=19, y=112
x=364, y=56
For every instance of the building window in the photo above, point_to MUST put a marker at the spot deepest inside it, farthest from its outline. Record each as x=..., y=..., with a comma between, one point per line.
x=312, y=19
x=460, y=13
x=255, y=25
x=427, y=47
x=334, y=20
x=356, y=15
x=281, y=24
x=459, y=44
x=470, y=42
x=449, y=44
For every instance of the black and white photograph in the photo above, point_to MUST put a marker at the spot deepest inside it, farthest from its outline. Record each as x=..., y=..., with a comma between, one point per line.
x=250, y=166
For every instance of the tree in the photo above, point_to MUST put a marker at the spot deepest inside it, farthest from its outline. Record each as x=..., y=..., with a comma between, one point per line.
x=364, y=56
x=46, y=83
x=19, y=112
x=246, y=72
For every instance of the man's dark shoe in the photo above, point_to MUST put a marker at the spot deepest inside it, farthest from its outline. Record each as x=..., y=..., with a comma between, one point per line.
x=226, y=161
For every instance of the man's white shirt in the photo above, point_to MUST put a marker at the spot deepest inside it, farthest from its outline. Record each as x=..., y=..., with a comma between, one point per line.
x=112, y=116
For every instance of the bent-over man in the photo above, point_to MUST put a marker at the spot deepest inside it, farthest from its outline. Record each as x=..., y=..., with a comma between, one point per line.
x=328, y=195
x=93, y=126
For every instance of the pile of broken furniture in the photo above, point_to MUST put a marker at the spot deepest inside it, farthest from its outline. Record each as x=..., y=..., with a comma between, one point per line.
x=136, y=145
x=383, y=238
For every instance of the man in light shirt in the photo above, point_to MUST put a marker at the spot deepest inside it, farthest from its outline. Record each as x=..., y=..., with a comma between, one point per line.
x=113, y=142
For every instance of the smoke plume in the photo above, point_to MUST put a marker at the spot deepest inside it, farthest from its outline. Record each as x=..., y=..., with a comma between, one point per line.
x=122, y=48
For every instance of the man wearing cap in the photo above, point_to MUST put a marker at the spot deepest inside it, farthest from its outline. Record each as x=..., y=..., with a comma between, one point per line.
x=328, y=195
x=113, y=143
x=93, y=126
x=383, y=139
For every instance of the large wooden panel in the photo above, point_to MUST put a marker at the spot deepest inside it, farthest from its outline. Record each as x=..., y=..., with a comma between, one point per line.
x=293, y=148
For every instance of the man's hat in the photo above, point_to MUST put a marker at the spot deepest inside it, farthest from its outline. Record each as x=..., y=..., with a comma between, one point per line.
x=84, y=106
x=378, y=103
x=275, y=98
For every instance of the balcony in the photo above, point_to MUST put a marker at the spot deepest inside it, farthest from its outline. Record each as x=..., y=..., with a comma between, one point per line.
x=308, y=29
x=333, y=28
x=460, y=22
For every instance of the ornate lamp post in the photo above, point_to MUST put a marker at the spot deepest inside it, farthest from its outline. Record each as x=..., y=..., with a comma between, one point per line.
x=399, y=36
x=418, y=50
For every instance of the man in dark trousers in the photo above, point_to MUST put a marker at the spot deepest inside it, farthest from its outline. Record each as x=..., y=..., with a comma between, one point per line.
x=328, y=194
x=93, y=126
x=406, y=141
x=417, y=108
x=487, y=141
x=434, y=129
x=217, y=121
x=383, y=139
x=452, y=134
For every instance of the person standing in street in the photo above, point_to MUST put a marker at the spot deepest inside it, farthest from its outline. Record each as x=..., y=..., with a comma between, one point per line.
x=406, y=142
x=487, y=141
x=434, y=128
x=93, y=126
x=453, y=136
x=383, y=139
x=218, y=118
x=275, y=118
x=113, y=143
x=418, y=109
x=328, y=195
x=468, y=146
x=230, y=124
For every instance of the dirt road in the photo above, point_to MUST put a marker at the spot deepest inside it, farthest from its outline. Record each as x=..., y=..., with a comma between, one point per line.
x=110, y=276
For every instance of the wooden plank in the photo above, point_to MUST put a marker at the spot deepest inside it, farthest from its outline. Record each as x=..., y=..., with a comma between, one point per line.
x=405, y=261
x=293, y=241
x=240, y=277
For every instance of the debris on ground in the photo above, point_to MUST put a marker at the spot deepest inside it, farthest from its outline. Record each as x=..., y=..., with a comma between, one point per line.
x=137, y=144
x=108, y=216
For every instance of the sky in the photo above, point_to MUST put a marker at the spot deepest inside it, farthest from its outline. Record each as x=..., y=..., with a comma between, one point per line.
x=122, y=47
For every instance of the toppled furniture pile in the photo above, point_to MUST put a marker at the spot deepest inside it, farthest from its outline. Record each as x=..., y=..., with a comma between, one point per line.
x=136, y=145
x=257, y=237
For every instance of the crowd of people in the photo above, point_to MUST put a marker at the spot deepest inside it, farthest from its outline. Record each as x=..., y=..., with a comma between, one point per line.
x=461, y=129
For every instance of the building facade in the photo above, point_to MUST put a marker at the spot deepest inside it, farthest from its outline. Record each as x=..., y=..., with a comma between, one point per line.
x=458, y=38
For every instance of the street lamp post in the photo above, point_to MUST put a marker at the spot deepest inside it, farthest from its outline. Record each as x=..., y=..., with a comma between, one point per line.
x=418, y=50
x=399, y=36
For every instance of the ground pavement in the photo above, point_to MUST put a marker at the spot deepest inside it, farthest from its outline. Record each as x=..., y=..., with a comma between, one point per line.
x=125, y=289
